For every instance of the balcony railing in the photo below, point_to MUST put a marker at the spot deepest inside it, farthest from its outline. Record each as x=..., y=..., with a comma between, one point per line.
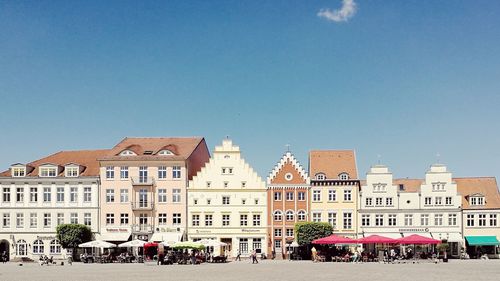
x=142, y=205
x=142, y=228
x=142, y=180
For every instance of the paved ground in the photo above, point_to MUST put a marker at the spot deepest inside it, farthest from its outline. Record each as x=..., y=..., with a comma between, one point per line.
x=267, y=270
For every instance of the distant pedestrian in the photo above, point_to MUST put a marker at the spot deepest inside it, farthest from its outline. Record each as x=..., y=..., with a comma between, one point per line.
x=4, y=257
x=313, y=254
x=254, y=257
x=238, y=256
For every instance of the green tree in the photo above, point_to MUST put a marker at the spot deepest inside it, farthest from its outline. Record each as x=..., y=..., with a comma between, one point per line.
x=306, y=232
x=72, y=235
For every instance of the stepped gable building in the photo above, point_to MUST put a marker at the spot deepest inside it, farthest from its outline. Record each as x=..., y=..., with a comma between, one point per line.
x=143, y=187
x=37, y=197
x=227, y=202
x=334, y=189
x=481, y=212
x=401, y=207
x=287, y=203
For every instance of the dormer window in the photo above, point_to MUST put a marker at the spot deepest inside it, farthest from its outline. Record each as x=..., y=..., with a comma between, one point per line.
x=477, y=200
x=18, y=171
x=344, y=176
x=320, y=176
x=71, y=171
x=165, y=152
x=148, y=152
x=127, y=153
x=48, y=171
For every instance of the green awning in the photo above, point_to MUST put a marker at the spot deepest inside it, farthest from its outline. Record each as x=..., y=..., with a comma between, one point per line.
x=482, y=240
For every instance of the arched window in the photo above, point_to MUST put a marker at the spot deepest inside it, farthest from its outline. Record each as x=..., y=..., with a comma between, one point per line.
x=320, y=176
x=278, y=215
x=165, y=152
x=127, y=153
x=289, y=215
x=301, y=215
x=55, y=247
x=21, y=248
x=343, y=176
x=38, y=247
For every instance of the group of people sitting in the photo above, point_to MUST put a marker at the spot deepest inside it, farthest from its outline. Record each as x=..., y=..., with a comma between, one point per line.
x=387, y=255
x=46, y=260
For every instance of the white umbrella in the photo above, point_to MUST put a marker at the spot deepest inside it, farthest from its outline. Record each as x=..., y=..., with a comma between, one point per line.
x=212, y=243
x=97, y=244
x=168, y=243
x=132, y=244
x=294, y=244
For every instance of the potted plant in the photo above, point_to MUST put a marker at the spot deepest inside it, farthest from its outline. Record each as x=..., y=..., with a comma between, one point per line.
x=443, y=247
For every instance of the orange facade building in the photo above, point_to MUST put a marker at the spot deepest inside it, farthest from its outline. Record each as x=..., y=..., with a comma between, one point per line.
x=287, y=203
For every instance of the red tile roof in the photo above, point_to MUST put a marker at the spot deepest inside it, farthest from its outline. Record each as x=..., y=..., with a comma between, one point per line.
x=486, y=186
x=332, y=163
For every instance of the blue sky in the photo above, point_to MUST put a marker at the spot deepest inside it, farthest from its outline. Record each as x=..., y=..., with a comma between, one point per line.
x=401, y=79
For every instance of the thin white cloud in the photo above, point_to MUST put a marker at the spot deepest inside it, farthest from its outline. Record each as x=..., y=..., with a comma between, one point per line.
x=346, y=12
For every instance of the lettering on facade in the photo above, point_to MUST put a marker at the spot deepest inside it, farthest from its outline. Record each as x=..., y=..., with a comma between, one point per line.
x=250, y=230
x=413, y=230
x=45, y=237
x=117, y=230
x=203, y=231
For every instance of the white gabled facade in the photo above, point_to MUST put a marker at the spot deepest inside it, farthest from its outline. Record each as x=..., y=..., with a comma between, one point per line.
x=227, y=202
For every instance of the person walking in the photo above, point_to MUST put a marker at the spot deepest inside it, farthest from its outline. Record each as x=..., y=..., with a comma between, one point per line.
x=254, y=257
x=238, y=256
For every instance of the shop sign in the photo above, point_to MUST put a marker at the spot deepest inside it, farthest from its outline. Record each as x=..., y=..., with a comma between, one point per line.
x=413, y=230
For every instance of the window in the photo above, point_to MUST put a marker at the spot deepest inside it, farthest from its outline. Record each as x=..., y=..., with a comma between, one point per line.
x=162, y=195
x=438, y=186
x=301, y=215
x=60, y=194
x=225, y=200
x=332, y=195
x=176, y=195
x=289, y=196
x=277, y=232
x=143, y=221
x=316, y=195
x=162, y=218
x=277, y=245
x=73, y=194
x=162, y=172
x=209, y=201
x=448, y=200
x=438, y=200
x=477, y=200
x=110, y=218
x=110, y=195
x=55, y=247
x=392, y=220
x=21, y=247
x=19, y=194
x=127, y=153
x=176, y=219
x=87, y=219
x=226, y=184
x=378, y=201
x=208, y=184
x=195, y=220
x=195, y=201
x=344, y=176
x=256, y=201
x=48, y=172
x=388, y=201
x=176, y=172
x=110, y=172
x=18, y=172
x=277, y=196
x=289, y=215
x=289, y=232
x=124, y=219
x=438, y=219
x=6, y=194
x=368, y=201
x=244, y=245
x=347, y=220
x=123, y=195
x=73, y=218
x=332, y=219
x=243, y=201
x=124, y=172
x=452, y=219
x=6, y=220
x=19, y=220
x=256, y=220
x=38, y=247
x=71, y=171
x=481, y=220
x=316, y=217
x=33, y=220
x=408, y=220
x=320, y=176
x=379, y=220
x=380, y=187
x=208, y=220
x=225, y=220
x=424, y=220
x=47, y=220
x=60, y=218
x=47, y=194
x=165, y=152
x=243, y=220
x=428, y=201
x=301, y=196
x=347, y=195
x=493, y=219
x=243, y=184
x=33, y=194
x=87, y=194
x=470, y=220
x=278, y=215
x=365, y=220
x=257, y=244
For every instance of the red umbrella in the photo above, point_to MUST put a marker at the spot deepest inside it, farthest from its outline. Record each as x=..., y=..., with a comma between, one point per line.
x=377, y=239
x=417, y=240
x=334, y=239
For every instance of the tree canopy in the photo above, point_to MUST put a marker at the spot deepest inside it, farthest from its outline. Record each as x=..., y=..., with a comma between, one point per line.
x=72, y=235
x=308, y=231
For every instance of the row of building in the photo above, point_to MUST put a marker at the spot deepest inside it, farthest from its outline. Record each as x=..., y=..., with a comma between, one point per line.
x=169, y=189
